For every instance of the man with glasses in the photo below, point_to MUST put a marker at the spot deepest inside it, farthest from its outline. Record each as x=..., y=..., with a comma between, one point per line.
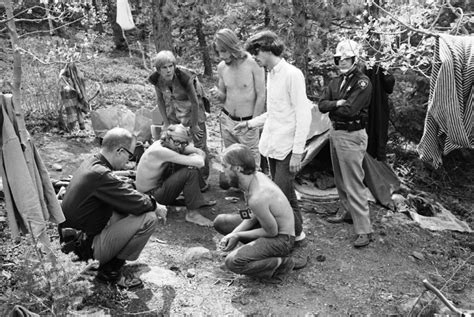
x=170, y=166
x=114, y=219
x=347, y=100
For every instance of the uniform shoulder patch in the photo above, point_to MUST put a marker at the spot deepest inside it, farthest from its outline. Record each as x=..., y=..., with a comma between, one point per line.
x=363, y=83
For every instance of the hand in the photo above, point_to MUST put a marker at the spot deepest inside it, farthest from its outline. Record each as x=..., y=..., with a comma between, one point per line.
x=197, y=132
x=295, y=163
x=161, y=212
x=241, y=128
x=215, y=93
x=340, y=102
x=229, y=242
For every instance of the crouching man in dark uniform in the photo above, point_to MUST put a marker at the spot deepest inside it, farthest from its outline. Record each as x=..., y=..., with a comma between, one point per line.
x=115, y=220
x=347, y=99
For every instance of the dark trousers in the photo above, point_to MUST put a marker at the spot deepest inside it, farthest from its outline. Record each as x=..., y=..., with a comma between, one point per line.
x=281, y=175
x=184, y=179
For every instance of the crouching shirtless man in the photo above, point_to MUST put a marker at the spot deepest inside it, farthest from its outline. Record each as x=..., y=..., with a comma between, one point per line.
x=171, y=166
x=266, y=226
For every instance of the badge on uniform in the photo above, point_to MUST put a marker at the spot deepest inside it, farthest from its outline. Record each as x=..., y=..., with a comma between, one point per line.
x=363, y=83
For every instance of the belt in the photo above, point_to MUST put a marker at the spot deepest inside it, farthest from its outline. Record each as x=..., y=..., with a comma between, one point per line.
x=236, y=118
x=349, y=125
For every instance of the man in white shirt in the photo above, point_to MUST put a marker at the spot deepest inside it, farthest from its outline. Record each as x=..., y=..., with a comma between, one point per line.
x=287, y=120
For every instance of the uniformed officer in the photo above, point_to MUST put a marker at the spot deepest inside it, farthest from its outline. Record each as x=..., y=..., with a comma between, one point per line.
x=347, y=99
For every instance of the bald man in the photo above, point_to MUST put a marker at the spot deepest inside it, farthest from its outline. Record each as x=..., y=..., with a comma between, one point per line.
x=241, y=89
x=171, y=166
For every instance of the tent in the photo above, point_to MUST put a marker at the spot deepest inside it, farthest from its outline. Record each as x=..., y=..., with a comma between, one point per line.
x=379, y=177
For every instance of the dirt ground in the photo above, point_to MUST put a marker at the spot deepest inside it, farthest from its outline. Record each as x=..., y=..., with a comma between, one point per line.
x=384, y=278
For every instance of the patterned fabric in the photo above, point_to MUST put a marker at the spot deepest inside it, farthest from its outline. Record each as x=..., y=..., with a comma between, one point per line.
x=73, y=95
x=449, y=119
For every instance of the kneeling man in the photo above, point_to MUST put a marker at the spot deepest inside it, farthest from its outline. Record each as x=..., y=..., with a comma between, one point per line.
x=116, y=220
x=266, y=225
x=171, y=166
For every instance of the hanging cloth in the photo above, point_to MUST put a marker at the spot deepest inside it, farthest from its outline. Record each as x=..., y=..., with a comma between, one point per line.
x=124, y=15
x=29, y=195
x=449, y=119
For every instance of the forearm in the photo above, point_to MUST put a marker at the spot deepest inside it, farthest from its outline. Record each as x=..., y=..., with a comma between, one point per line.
x=253, y=234
x=257, y=122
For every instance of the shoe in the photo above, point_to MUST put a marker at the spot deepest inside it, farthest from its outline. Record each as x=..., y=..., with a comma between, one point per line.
x=209, y=203
x=300, y=262
x=129, y=282
x=341, y=216
x=362, y=240
x=110, y=271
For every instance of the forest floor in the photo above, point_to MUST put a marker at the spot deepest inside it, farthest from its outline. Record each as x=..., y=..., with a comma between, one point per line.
x=384, y=278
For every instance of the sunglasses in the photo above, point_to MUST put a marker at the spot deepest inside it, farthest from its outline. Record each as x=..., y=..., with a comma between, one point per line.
x=337, y=59
x=130, y=154
x=179, y=143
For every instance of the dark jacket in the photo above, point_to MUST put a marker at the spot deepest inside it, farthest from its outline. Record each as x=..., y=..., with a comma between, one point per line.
x=95, y=193
x=356, y=90
x=379, y=111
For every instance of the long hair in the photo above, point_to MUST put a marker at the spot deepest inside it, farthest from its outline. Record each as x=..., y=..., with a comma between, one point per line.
x=227, y=39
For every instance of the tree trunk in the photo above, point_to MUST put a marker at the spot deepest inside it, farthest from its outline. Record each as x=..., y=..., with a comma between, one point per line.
x=119, y=40
x=161, y=27
x=17, y=71
x=267, y=17
x=206, y=59
x=301, y=36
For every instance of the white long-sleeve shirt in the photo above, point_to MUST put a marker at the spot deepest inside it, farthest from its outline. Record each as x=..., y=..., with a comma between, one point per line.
x=288, y=118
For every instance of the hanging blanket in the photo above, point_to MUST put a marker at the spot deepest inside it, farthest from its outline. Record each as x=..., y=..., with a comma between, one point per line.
x=449, y=118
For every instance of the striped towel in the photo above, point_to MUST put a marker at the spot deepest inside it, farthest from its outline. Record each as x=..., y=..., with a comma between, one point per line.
x=449, y=118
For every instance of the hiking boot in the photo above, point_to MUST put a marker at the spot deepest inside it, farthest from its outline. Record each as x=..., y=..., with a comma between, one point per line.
x=342, y=215
x=362, y=240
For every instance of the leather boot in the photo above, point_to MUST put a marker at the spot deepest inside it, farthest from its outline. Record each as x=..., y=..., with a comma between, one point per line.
x=342, y=215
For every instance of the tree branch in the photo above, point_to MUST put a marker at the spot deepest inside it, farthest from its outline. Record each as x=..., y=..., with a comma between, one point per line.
x=56, y=28
x=403, y=23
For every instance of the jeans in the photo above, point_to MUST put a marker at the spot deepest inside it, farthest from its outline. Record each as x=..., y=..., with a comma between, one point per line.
x=260, y=258
x=249, y=138
x=280, y=171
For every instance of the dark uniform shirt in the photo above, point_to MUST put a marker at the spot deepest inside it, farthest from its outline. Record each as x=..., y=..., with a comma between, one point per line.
x=95, y=193
x=355, y=88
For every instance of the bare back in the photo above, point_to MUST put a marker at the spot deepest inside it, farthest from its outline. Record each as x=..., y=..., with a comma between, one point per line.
x=243, y=82
x=268, y=202
x=154, y=162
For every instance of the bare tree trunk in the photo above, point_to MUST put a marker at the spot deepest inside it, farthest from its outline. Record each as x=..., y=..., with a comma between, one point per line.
x=301, y=36
x=206, y=59
x=161, y=27
x=119, y=40
x=17, y=72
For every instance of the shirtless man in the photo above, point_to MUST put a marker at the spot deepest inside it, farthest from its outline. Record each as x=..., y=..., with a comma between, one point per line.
x=266, y=225
x=169, y=167
x=241, y=88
